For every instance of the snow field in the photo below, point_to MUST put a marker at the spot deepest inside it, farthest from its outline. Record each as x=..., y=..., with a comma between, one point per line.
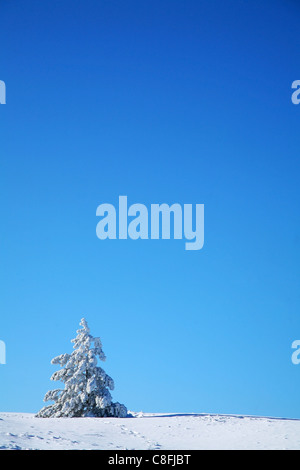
x=143, y=431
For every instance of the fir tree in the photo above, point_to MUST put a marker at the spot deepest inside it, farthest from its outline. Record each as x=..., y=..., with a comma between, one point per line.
x=87, y=386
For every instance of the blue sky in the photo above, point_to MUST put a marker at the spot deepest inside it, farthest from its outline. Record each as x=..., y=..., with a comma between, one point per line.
x=163, y=101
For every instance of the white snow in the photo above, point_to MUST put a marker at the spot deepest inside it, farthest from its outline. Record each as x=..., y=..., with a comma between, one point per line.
x=148, y=431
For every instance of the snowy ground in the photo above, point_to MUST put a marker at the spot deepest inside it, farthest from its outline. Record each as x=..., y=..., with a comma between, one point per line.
x=148, y=431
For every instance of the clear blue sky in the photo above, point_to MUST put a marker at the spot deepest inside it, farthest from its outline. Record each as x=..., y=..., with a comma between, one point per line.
x=163, y=101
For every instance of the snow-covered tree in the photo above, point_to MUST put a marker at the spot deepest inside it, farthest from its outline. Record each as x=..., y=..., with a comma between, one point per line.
x=87, y=386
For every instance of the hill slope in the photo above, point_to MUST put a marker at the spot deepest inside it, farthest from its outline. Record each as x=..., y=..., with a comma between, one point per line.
x=148, y=431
